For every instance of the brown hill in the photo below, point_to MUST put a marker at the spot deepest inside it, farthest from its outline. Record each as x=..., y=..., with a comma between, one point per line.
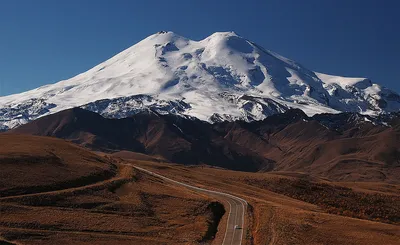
x=173, y=138
x=345, y=147
x=353, y=152
x=54, y=192
x=86, y=128
x=32, y=164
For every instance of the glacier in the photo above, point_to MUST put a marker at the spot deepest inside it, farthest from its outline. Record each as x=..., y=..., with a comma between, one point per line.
x=222, y=77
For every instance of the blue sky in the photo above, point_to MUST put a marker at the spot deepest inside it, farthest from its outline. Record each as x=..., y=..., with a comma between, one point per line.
x=45, y=41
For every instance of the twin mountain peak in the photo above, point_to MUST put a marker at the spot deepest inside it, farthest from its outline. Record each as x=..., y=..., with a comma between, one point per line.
x=223, y=77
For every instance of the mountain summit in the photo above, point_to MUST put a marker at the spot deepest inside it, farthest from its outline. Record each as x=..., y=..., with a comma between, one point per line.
x=222, y=77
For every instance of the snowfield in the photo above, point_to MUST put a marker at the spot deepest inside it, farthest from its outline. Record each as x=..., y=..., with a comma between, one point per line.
x=223, y=77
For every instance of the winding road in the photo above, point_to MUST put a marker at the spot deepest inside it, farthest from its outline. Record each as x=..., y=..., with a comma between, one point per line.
x=237, y=209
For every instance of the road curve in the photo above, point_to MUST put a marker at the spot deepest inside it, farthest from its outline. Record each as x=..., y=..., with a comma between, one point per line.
x=237, y=209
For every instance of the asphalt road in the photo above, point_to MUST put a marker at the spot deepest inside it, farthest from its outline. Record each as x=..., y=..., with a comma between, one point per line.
x=237, y=209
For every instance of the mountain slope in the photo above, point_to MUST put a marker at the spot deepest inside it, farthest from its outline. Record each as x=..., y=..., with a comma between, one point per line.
x=223, y=77
x=344, y=147
x=171, y=137
x=341, y=147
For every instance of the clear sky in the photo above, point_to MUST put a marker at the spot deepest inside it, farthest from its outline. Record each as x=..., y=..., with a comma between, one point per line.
x=45, y=41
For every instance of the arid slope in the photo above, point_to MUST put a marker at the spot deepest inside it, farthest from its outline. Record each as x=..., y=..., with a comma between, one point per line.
x=295, y=208
x=53, y=192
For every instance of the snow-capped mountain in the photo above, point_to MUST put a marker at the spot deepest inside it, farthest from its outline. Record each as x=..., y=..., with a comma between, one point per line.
x=223, y=77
